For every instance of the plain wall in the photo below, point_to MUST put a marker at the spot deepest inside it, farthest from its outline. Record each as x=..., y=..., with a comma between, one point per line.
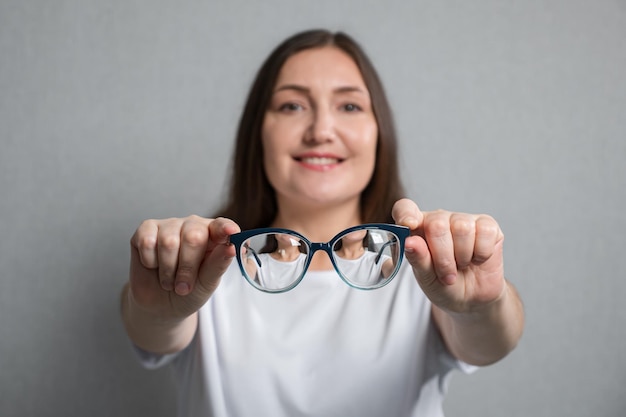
x=114, y=112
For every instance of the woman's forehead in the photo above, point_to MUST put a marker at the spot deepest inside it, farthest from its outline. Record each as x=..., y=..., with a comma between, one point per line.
x=325, y=67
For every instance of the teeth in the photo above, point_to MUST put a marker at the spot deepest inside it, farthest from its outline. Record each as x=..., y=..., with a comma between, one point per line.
x=320, y=161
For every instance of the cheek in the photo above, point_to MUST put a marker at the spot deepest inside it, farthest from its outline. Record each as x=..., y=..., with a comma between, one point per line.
x=275, y=137
x=360, y=132
x=368, y=147
x=269, y=162
x=368, y=142
x=271, y=144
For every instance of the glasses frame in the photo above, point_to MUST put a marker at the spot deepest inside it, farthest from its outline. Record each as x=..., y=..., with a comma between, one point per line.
x=401, y=232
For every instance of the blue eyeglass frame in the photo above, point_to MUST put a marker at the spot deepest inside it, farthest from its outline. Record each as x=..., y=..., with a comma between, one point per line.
x=402, y=232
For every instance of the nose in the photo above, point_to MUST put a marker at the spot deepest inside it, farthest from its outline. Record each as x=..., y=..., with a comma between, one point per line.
x=322, y=127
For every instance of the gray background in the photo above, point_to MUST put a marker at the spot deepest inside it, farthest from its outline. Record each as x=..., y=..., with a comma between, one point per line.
x=113, y=112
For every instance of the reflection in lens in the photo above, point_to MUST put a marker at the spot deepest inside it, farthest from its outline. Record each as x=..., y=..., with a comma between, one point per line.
x=367, y=258
x=274, y=261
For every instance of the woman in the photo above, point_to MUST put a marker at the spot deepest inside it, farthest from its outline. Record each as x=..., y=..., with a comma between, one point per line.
x=316, y=154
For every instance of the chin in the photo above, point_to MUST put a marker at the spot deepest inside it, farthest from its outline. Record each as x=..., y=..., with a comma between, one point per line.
x=323, y=201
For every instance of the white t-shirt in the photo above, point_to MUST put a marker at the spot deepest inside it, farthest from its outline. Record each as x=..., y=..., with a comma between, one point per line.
x=322, y=349
x=363, y=270
x=279, y=274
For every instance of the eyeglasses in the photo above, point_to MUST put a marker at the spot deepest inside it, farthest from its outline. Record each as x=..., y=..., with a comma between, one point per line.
x=275, y=260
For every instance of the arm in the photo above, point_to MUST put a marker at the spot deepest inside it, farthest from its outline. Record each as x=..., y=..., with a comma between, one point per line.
x=152, y=333
x=458, y=262
x=486, y=335
x=175, y=266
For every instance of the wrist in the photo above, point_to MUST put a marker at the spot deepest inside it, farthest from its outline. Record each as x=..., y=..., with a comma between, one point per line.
x=479, y=311
x=152, y=331
x=484, y=334
x=139, y=312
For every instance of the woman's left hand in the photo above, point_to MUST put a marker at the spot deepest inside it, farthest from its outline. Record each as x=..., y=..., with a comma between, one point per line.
x=456, y=257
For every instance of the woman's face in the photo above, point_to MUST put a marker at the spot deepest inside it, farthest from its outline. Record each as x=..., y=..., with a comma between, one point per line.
x=319, y=132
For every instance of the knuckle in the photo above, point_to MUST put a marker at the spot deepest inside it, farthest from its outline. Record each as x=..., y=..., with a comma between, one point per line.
x=487, y=226
x=145, y=229
x=170, y=242
x=480, y=256
x=437, y=226
x=146, y=242
x=462, y=226
x=185, y=273
x=194, y=236
x=194, y=218
x=166, y=274
x=148, y=224
x=446, y=265
x=170, y=223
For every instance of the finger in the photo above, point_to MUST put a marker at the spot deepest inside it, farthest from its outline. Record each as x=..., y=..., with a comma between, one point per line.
x=144, y=240
x=214, y=267
x=488, y=234
x=220, y=253
x=463, y=229
x=168, y=246
x=143, y=281
x=406, y=213
x=441, y=245
x=418, y=255
x=219, y=231
x=193, y=244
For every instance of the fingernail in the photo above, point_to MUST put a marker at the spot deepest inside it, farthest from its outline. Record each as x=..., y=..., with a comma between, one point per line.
x=182, y=288
x=167, y=285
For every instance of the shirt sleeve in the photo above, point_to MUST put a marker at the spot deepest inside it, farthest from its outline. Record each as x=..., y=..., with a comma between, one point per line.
x=457, y=364
x=449, y=363
x=150, y=360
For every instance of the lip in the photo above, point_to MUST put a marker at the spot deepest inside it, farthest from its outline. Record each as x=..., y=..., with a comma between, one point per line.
x=318, y=161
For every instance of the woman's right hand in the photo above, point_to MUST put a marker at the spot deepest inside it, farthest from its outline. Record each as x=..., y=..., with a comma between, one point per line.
x=176, y=264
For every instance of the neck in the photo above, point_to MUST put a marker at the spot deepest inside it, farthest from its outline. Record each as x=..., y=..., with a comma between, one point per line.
x=318, y=224
x=351, y=250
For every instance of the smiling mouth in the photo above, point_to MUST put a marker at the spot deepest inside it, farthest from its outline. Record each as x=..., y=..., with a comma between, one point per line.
x=318, y=160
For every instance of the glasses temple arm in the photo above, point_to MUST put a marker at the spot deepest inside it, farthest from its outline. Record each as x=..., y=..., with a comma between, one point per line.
x=256, y=257
x=382, y=248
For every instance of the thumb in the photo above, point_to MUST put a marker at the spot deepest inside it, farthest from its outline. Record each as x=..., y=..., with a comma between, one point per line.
x=220, y=254
x=418, y=255
x=406, y=213
x=214, y=265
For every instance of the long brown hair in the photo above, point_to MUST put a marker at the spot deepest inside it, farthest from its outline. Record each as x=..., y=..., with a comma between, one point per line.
x=252, y=200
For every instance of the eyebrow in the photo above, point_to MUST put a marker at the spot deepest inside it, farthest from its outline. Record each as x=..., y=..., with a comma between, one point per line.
x=306, y=90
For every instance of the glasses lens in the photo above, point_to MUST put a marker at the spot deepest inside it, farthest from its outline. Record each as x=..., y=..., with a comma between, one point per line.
x=367, y=258
x=273, y=261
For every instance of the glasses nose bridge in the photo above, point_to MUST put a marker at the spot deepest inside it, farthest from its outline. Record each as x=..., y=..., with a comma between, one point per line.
x=323, y=246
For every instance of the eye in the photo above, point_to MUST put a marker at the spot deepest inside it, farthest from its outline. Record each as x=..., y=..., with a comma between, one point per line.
x=290, y=107
x=351, y=107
